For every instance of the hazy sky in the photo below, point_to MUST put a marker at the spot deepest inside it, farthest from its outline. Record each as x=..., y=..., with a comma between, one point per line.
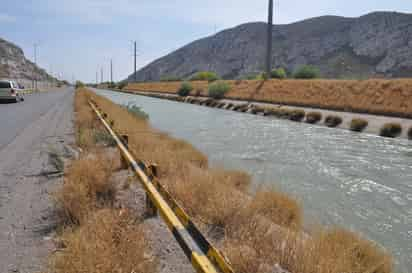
x=78, y=37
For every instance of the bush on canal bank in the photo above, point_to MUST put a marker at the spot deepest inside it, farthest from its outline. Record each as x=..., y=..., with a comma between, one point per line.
x=217, y=90
x=185, y=89
x=358, y=124
x=391, y=130
x=313, y=117
x=333, y=121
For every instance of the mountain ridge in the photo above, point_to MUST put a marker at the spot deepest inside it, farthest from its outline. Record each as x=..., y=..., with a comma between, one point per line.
x=377, y=44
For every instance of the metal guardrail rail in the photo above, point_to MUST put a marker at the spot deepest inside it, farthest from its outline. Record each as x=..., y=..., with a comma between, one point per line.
x=205, y=258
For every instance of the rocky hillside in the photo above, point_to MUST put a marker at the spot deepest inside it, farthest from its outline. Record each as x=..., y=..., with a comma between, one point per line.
x=14, y=65
x=375, y=45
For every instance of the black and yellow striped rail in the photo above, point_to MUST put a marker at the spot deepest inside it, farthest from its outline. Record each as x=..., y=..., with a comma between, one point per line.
x=204, y=257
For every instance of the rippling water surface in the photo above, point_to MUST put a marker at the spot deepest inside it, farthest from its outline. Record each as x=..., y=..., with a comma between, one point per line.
x=359, y=181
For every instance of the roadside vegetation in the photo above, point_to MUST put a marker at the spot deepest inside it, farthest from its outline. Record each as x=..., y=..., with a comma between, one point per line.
x=279, y=73
x=95, y=236
x=256, y=232
x=384, y=97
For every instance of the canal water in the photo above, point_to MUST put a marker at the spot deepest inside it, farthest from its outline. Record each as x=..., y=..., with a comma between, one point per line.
x=359, y=181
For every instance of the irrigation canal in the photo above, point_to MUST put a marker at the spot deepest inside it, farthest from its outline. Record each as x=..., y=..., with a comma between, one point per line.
x=359, y=181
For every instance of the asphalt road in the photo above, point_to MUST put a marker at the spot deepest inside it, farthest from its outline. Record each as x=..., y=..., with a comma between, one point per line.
x=30, y=132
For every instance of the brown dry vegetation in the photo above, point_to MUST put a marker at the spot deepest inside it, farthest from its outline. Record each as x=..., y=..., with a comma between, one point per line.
x=388, y=97
x=255, y=232
x=94, y=236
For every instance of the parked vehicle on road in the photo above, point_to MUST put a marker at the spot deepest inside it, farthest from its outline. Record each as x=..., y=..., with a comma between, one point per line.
x=10, y=91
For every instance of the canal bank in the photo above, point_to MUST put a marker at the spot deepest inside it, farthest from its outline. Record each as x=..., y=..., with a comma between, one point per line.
x=342, y=178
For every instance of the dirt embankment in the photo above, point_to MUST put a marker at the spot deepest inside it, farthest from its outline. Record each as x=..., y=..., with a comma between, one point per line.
x=381, y=97
x=261, y=233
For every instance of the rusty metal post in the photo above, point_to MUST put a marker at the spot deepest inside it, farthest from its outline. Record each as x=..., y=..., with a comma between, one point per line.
x=151, y=210
x=125, y=141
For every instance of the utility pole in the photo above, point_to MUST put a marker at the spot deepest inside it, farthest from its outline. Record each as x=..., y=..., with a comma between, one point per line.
x=34, y=69
x=111, y=71
x=269, y=39
x=135, y=61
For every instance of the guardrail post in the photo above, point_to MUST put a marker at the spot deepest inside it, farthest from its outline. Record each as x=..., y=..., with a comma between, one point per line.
x=151, y=210
x=125, y=141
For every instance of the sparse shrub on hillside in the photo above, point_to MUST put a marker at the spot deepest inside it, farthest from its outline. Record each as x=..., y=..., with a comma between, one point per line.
x=333, y=121
x=262, y=76
x=306, y=72
x=313, y=117
x=358, y=124
x=185, y=89
x=410, y=133
x=217, y=90
x=297, y=115
x=170, y=79
x=391, y=130
x=205, y=76
x=279, y=73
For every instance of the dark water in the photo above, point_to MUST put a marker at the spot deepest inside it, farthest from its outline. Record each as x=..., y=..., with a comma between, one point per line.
x=358, y=181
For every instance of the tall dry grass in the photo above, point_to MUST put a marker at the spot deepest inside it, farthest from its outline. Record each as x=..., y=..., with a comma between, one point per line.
x=106, y=243
x=260, y=231
x=389, y=97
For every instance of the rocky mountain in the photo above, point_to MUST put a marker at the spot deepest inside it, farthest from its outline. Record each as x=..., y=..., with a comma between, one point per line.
x=375, y=45
x=14, y=65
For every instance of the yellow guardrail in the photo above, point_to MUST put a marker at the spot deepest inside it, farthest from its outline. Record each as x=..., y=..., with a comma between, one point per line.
x=205, y=258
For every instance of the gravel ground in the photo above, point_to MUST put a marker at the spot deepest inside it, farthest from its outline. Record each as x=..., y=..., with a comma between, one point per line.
x=170, y=257
x=30, y=151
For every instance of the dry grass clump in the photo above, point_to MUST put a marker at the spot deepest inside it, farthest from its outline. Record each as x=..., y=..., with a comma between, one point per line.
x=333, y=121
x=106, y=243
x=391, y=130
x=87, y=186
x=313, y=117
x=358, y=124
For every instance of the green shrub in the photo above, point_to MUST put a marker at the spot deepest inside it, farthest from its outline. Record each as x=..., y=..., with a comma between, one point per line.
x=313, y=117
x=391, y=130
x=306, y=72
x=262, y=76
x=410, y=133
x=297, y=115
x=279, y=73
x=205, y=76
x=79, y=84
x=218, y=90
x=137, y=111
x=185, y=89
x=358, y=124
x=333, y=121
x=121, y=85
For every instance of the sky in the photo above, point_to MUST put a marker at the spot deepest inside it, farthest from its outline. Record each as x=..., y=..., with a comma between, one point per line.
x=77, y=38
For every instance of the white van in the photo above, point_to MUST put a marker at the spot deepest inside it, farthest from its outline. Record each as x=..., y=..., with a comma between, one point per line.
x=10, y=90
